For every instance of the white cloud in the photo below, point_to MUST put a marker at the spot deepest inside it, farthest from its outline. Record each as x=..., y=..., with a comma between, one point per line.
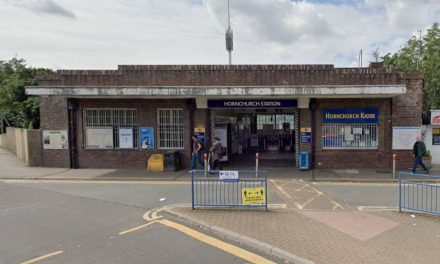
x=45, y=7
x=279, y=21
x=105, y=33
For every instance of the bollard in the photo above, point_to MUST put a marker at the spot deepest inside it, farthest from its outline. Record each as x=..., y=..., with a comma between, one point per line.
x=394, y=165
x=257, y=157
x=205, y=159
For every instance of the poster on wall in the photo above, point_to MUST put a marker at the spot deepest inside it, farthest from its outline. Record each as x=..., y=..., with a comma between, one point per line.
x=199, y=132
x=99, y=138
x=147, y=137
x=436, y=136
x=125, y=138
x=404, y=137
x=55, y=139
x=306, y=135
x=435, y=117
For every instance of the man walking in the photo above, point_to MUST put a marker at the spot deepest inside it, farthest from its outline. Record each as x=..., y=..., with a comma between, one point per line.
x=195, y=158
x=419, y=150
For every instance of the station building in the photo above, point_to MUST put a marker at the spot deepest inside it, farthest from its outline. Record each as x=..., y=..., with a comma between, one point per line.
x=343, y=117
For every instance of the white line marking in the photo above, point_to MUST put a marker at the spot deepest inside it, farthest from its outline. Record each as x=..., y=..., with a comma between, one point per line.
x=136, y=228
x=276, y=206
x=42, y=257
x=376, y=208
x=95, y=181
x=151, y=215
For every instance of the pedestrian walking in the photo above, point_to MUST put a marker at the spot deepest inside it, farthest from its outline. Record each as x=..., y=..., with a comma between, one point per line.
x=195, y=157
x=419, y=150
x=216, y=153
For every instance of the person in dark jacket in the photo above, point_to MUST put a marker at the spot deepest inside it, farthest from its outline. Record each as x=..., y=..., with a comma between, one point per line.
x=419, y=150
x=216, y=152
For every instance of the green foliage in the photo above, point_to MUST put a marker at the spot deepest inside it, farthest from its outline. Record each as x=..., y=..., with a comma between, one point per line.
x=421, y=55
x=18, y=108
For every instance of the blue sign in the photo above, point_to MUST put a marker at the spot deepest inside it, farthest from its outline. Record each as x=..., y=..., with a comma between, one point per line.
x=228, y=176
x=146, y=137
x=306, y=137
x=351, y=115
x=252, y=103
x=199, y=132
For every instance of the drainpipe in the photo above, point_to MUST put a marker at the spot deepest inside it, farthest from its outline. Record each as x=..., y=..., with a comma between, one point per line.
x=72, y=106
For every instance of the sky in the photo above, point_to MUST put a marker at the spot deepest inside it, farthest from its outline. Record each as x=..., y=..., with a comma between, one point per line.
x=102, y=34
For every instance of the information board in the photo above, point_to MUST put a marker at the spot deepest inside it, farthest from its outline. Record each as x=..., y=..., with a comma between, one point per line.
x=125, y=138
x=55, y=139
x=306, y=135
x=146, y=137
x=199, y=132
x=99, y=138
x=436, y=136
x=405, y=137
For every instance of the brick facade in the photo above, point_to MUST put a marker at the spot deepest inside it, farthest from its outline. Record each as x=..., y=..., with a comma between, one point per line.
x=403, y=110
x=129, y=158
x=53, y=112
x=356, y=158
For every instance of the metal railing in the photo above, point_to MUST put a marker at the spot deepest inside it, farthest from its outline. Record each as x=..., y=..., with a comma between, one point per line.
x=419, y=192
x=245, y=191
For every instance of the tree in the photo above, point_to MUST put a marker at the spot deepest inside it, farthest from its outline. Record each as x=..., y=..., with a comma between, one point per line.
x=421, y=55
x=375, y=54
x=21, y=110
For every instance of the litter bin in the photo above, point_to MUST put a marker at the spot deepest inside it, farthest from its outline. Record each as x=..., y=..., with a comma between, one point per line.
x=172, y=161
x=304, y=162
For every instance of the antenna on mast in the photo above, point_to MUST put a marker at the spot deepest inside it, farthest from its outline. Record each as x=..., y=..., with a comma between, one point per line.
x=229, y=37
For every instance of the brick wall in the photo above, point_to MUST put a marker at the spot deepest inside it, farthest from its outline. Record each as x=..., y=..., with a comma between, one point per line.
x=407, y=111
x=220, y=75
x=356, y=158
x=54, y=116
x=129, y=158
x=399, y=111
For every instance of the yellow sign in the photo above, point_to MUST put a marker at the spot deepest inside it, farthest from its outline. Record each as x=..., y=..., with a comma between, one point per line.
x=253, y=196
x=306, y=129
x=199, y=129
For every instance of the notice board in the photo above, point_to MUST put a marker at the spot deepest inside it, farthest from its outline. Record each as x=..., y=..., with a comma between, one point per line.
x=405, y=137
x=99, y=138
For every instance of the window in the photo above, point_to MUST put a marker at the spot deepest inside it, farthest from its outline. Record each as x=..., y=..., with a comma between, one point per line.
x=102, y=127
x=276, y=120
x=349, y=136
x=170, y=128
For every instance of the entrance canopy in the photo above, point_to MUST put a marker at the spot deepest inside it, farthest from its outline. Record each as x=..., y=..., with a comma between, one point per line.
x=316, y=91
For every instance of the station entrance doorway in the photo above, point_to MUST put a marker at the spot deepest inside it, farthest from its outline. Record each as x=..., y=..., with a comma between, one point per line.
x=270, y=132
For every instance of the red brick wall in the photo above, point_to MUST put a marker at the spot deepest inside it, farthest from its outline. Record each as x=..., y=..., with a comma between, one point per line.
x=407, y=111
x=53, y=112
x=212, y=75
x=129, y=158
x=400, y=111
x=356, y=158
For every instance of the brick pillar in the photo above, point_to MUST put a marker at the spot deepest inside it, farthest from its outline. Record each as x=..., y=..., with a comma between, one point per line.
x=54, y=116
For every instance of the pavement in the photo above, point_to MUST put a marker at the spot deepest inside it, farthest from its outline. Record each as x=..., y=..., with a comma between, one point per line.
x=12, y=168
x=313, y=228
x=310, y=228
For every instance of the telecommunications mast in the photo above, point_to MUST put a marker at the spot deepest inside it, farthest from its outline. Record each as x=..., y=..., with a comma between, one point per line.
x=229, y=37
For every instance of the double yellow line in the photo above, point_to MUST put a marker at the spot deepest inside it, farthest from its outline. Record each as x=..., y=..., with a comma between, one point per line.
x=231, y=249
